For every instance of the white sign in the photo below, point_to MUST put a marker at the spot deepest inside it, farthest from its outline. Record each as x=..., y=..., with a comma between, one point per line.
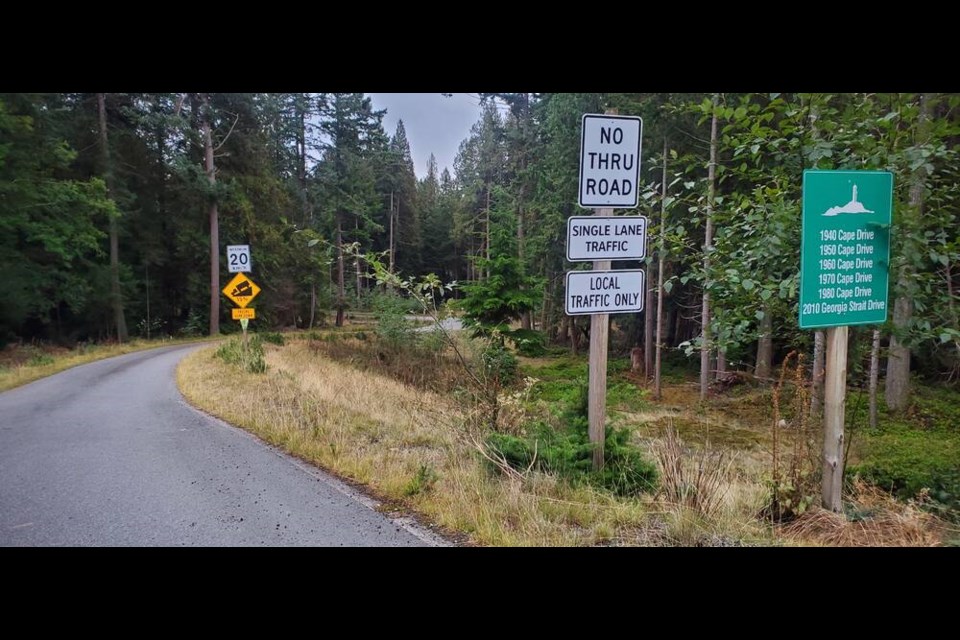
x=606, y=238
x=238, y=258
x=591, y=292
x=610, y=161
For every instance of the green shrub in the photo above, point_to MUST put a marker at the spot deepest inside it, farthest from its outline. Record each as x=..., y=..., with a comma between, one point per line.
x=916, y=450
x=422, y=481
x=905, y=461
x=39, y=358
x=393, y=328
x=196, y=324
x=499, y=365
x=250, y=358
x=273, y=337
x=568, y=453
x=529, y=343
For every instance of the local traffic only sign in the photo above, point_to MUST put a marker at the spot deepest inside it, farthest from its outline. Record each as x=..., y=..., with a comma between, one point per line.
x=606, y=238
x=590, y=292
x=845, y=249
x=610, y=161
x=238, y=258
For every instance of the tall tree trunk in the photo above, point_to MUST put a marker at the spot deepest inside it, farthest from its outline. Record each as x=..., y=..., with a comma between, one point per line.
x=313, y=302
x=764, y=365
x=340, y=287
x=146, y=277
x=707, y=246
x=819, y=337
x=525, y=316
x=116, y=296
x=660, y=258
x=487, y=242
x=648, y=323
x=214, y=220
x=391, y=232
x=898, y=359
x=356, y=261
x=721, y=364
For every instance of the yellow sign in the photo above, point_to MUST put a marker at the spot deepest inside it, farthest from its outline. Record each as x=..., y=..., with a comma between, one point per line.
x=244, y=314
x=242, y=290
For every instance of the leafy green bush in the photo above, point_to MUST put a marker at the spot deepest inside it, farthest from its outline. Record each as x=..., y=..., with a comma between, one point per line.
x=273, y=337
x=529, y=343
x=568, y=453
x=250, y=357
x=196, y=324
x=917, y=450
x=39, y=358
x=393, y=328
x=422, y=481
x=499, y=365
x=905, y=461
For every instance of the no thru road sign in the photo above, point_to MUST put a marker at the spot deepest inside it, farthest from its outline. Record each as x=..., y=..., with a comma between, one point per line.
x=610, y=161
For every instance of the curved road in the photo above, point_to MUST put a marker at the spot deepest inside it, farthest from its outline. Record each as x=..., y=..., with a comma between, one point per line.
x=109, y=454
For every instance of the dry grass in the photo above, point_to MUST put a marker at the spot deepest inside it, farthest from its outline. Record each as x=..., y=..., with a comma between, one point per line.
x=409, y=447
x=412, y=448
x=880, y=521
x=19, y=366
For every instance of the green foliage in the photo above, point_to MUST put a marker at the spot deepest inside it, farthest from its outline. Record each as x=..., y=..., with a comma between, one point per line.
x=154, y=328
x=499, y=365
x=565, y=449
x=422, y=481
x=507, y=292
x=394, y=329
x=196, y=324
x=917, y=451
x=529, y=343
x=38, y=358
x=249, y=357
x=273, y=337
x=568, y=452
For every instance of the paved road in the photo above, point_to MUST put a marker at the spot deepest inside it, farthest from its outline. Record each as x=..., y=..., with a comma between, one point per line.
x=109, y=454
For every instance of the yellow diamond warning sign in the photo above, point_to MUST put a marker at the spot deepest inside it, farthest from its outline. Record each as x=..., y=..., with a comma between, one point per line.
x=244, y=314
x=242, y=290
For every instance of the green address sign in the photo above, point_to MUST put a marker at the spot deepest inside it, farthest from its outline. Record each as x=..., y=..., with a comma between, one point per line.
x=845, y=251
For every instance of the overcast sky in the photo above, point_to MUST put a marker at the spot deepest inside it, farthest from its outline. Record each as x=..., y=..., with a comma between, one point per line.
x=434, y=124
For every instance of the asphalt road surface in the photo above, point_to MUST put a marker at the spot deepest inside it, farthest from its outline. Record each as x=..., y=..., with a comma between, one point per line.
x=110, y=454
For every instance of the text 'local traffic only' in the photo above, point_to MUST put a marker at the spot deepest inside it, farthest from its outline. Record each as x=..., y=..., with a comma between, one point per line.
x=604, y=292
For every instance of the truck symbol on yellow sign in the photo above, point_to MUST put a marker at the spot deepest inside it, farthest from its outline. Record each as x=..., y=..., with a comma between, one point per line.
x=241, y=290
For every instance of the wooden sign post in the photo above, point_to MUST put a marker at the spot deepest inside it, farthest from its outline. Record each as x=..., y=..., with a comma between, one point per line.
x=844, y=274
x=609, y=178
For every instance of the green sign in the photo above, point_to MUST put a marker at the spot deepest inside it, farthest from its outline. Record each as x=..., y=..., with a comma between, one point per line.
x=845, y=252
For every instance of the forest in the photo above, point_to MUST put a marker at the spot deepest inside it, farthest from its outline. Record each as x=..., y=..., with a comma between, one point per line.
x=115, y=210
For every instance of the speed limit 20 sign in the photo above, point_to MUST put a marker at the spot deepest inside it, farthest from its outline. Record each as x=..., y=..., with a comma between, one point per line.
x=238, y=258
